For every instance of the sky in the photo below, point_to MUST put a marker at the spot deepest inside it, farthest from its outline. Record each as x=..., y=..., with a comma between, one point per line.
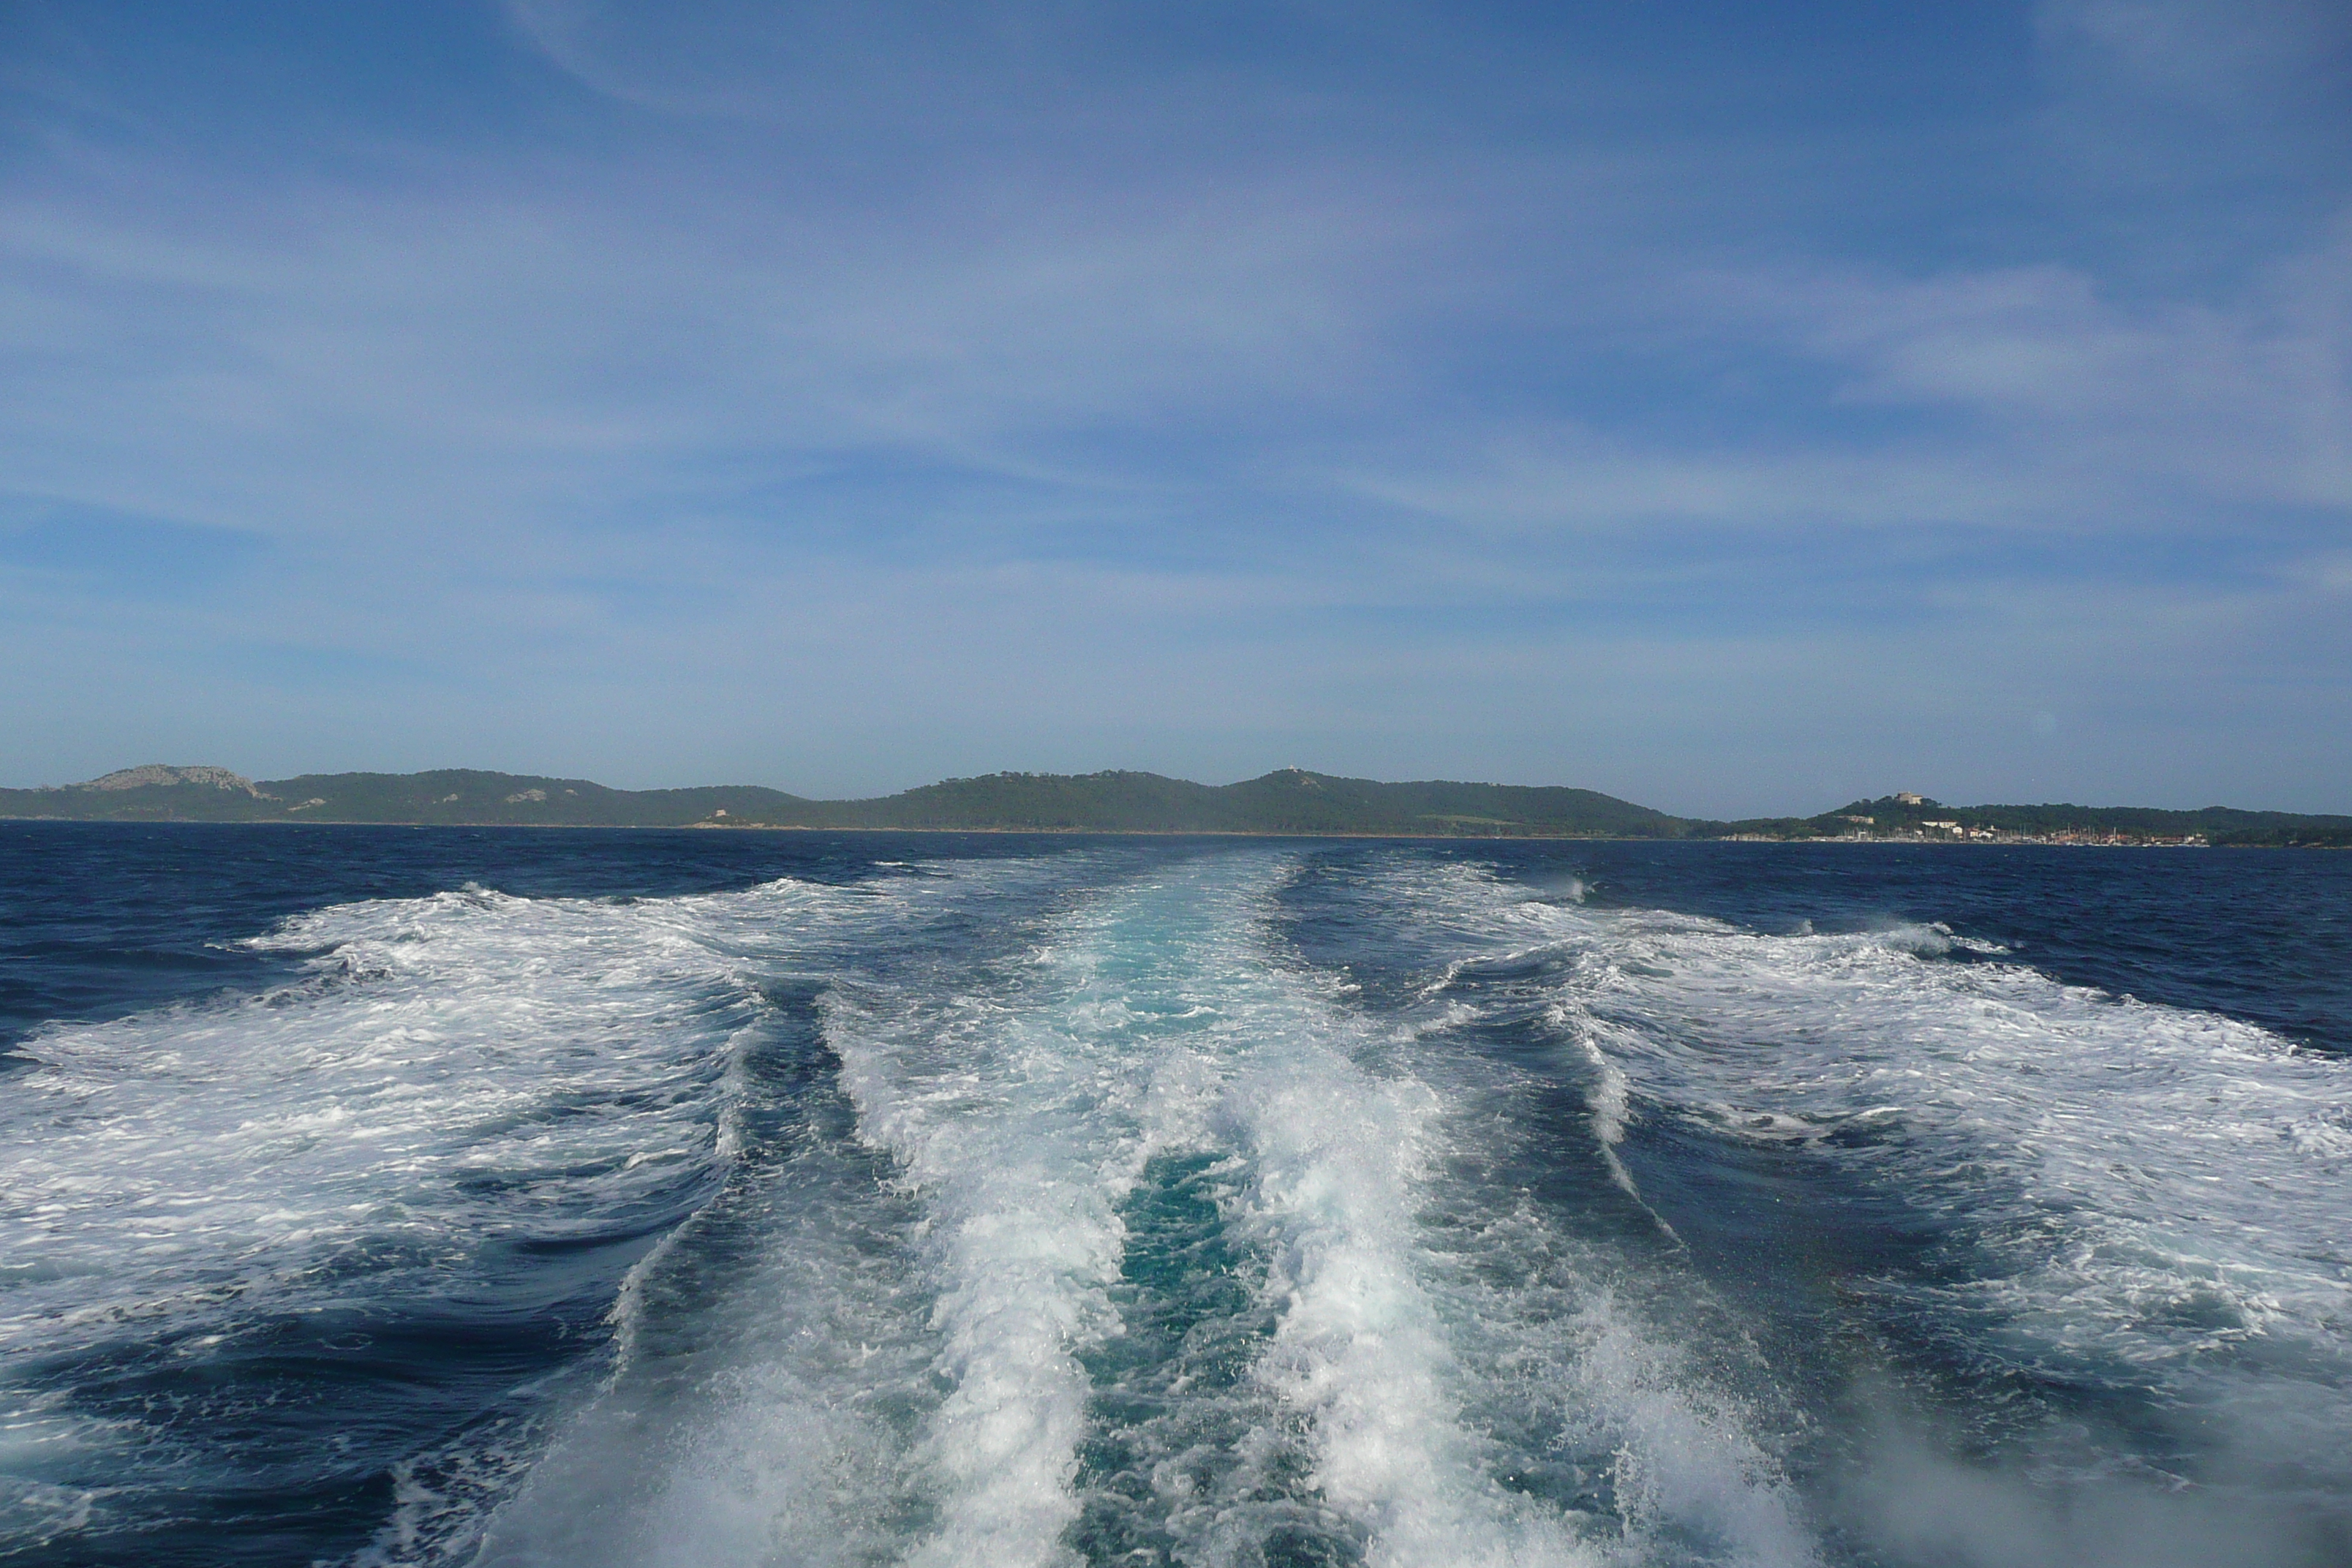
x=1736, y=409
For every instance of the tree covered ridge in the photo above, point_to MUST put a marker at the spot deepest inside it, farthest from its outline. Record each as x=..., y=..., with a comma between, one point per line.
x=1287, y=801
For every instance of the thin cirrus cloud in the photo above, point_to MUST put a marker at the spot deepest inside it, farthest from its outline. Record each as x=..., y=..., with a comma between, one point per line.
x=2033, y=403
x=843, y=397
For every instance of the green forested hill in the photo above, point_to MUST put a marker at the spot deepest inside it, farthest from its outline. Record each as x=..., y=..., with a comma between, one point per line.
x=453, y=795
x=1291, y=801
x=1288, y=801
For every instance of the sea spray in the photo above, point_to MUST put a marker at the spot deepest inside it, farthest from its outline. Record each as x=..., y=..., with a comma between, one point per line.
x=1075, y=1201
x=2127, y=1200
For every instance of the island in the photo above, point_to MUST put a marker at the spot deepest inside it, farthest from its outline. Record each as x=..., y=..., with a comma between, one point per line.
x=1288, y=801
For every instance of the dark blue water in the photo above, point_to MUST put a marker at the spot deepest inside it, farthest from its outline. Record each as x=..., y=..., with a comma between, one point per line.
x=387, y=1196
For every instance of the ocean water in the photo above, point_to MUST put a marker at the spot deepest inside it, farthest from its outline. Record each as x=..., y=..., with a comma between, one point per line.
x=380, y=1196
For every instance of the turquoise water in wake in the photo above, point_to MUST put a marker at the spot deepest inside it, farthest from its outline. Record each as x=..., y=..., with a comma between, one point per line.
x=390, y=1196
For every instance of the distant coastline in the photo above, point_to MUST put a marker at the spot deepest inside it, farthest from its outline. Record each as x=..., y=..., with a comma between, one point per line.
x=1288, y=802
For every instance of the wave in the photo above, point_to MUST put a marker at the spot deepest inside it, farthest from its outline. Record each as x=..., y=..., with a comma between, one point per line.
x=466, y=1101
x=1038, y=1212
x=1147, y=1271
x=2112, y=1195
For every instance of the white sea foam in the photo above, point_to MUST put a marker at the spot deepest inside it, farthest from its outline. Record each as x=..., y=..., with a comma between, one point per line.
x=771, y=1430
x=1361, y=1351
x=2151, y=1193
x=921, y=1392
x=898, y=1373
x=876, y=1349
x=1327, y=1163
x=2148, y=1179
x=1395, y=1343
x=459, y=1069
x=1020, y=1142
x=1023, y=1114
x=455, y=1073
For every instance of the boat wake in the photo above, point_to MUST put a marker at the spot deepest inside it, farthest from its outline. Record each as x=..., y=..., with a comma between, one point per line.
x=1246, y=1206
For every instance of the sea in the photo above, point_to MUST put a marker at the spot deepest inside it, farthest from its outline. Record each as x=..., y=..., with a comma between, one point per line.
x=377, y=1196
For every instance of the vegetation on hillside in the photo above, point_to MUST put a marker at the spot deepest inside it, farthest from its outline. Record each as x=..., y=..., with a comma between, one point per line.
x=2220, y=825
x=1290, y=801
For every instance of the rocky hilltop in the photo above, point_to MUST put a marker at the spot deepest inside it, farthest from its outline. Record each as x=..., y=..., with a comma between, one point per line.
x=158, y=776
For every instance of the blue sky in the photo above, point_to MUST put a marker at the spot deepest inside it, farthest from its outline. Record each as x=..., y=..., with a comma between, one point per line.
x=1739, y=408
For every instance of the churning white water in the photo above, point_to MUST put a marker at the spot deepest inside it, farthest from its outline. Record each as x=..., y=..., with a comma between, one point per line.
x=1020, y=1105
x=1225, y=1206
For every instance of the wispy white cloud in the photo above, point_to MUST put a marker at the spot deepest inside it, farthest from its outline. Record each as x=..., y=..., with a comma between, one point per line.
x=996, y=396
x=2213, y=53
x=2032, y=401
x=2250, y=400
